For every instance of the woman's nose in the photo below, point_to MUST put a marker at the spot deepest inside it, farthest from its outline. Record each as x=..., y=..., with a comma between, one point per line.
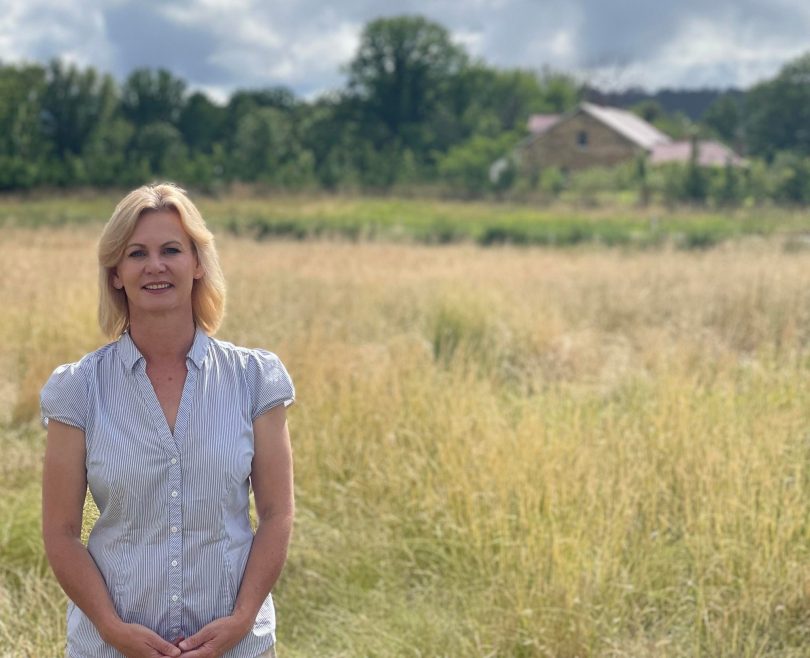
x=155, y=264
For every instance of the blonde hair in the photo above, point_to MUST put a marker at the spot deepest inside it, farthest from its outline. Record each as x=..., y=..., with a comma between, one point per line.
x=208, y=293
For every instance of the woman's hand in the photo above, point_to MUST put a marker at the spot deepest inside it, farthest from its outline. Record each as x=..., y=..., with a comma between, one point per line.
x=136, y=641
x=215, y=638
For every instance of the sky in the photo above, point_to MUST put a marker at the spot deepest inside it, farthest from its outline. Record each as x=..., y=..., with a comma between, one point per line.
x=220, y=45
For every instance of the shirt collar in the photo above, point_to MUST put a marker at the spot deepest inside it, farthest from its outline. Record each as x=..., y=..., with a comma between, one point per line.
x=199, y=348
x=130, y=354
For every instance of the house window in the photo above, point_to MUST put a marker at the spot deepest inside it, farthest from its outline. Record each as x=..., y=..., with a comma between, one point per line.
x=582, y=139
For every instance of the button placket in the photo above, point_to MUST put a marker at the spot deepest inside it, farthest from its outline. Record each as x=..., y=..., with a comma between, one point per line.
x=175, y=500
x=174, y=486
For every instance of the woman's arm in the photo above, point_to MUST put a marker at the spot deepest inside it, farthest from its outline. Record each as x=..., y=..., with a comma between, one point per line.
x=64, y=486
x=272, y=480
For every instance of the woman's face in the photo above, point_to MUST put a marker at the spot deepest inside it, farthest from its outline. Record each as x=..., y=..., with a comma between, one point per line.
x=159, y=265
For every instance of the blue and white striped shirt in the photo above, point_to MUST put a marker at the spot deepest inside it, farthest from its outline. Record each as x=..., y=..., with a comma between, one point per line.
x=174, y=532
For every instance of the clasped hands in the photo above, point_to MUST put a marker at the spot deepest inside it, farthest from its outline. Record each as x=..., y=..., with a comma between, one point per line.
x=211, y=641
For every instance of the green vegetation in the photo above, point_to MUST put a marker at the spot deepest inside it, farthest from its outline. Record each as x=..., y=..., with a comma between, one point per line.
x=413, y=99
x=418, y=114
x=560, y=223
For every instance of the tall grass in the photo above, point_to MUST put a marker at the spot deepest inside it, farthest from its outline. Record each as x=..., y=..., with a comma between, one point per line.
x=499, y=452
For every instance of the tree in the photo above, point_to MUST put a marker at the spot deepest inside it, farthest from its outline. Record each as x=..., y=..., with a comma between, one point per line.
x=650, y=110
x=160, y=146
x=675, y=124
x=329, y=128
x=21, y=91
x=22, y=144
x=105, y=155
x=469, y=166
x=560, y=90
x=201, y=123
x=266, y=148
x=150, y=96
x=402, y=71
x=723, y=118
x=790, y=178
x=75, y=105
x=696, y=178
x=244, y=100
x=778, y=111
x=491, y=101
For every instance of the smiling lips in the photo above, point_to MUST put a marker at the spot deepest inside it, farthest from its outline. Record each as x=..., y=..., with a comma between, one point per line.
x=157, y=286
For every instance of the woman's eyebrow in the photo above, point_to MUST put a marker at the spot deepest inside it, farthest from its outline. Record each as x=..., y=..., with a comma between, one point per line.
x=139, y=244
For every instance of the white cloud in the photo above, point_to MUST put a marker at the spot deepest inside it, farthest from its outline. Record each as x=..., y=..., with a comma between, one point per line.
x=704, y=54
x=471, y=40
x=562, y=45
x=220, y=45
x=40, y=30
x=320, y=53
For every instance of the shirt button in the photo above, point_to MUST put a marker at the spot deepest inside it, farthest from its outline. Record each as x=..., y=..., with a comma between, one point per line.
x=174, y=563
x=174, y=528
x=174, y=494
x=174, y=598
x=174, y=461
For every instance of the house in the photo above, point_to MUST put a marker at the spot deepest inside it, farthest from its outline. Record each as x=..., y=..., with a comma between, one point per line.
x=599, y=136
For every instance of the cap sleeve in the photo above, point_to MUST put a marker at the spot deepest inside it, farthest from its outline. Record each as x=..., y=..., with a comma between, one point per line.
x=64, y=397
x=270, y=384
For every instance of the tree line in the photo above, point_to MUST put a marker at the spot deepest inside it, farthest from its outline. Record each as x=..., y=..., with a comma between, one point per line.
x=416, y=110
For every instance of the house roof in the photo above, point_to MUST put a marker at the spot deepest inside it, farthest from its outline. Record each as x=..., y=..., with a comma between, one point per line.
x=710, y=154
x=539, y=123
x=627, y=124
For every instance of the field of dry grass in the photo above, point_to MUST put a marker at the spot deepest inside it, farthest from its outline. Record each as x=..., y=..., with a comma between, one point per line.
x=499, y=452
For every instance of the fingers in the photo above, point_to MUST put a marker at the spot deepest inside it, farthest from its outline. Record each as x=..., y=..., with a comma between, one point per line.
x=202, y=652
x=196, y=640
x=162, y=647
x=136, y=640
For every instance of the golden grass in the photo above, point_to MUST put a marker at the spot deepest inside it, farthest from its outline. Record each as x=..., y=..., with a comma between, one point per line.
x=499, y=452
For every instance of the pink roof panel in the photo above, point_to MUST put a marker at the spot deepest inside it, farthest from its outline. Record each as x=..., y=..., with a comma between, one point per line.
x=539, y=123
x=710, y=154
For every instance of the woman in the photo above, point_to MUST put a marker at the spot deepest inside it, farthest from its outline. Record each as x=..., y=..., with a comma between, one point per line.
x=169, y=428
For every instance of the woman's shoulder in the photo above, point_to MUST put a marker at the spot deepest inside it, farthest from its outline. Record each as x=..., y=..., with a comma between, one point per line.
x=84, y=366
x=262, y=372
x=246, y=357
x=65, y=395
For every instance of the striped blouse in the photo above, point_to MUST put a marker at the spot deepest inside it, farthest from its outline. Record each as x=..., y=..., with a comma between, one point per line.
x=174, y=532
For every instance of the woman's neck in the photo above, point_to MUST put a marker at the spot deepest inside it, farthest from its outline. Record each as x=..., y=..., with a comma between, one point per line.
x=162, y=339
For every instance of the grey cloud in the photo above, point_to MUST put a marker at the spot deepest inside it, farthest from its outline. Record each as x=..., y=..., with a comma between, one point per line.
x=141, y=35
x=47, y=31
x=626, y=31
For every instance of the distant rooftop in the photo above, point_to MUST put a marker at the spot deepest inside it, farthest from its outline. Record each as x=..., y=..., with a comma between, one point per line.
x=709, y=154
x=633, y=127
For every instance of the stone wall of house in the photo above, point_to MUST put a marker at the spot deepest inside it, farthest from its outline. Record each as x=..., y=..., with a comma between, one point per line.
x=577, y=143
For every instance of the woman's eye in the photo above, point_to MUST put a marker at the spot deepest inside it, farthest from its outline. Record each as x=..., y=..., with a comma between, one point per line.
x=136, y=254
x=171, y=250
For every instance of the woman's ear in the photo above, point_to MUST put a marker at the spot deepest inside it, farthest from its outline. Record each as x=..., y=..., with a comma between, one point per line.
x=115, y=279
